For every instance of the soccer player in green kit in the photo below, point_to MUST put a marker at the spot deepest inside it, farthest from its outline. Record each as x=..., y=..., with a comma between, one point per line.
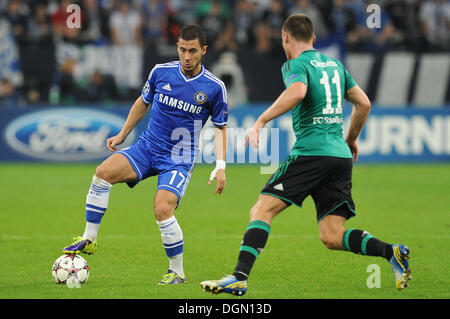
x=320, y=162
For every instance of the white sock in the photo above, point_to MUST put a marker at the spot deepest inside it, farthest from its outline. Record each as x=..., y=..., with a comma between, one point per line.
x=172, y=238
x=96, y=205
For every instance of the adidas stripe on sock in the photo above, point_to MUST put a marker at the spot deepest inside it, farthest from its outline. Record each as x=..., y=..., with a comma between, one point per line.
x=96, y=205
x=172, y=238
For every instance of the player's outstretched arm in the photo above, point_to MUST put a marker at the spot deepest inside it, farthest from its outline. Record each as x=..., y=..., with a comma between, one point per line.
x=287, y=100
x=220, y=145
x=137, y=112
x=361, y=109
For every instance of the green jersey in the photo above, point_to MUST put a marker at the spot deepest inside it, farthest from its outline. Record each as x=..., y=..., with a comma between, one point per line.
x=317, y=119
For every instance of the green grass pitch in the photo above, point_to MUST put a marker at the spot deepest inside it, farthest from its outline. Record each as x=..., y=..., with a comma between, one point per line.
x=42, y=208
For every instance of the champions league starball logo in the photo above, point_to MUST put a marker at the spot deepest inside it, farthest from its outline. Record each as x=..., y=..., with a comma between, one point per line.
x=146, y=88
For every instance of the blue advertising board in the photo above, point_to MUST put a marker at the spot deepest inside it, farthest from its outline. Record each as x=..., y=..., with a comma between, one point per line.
x=63, y=134
x=390, y=134
x=78, y=134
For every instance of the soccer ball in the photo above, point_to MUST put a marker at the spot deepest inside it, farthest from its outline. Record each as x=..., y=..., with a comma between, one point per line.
x=67, y=266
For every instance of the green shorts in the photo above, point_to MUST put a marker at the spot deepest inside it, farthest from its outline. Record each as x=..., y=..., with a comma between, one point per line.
x=327, y=179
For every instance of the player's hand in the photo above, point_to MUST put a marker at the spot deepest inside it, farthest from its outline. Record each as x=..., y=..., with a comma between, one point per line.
x=219, y=175
x=112, y=142
x=253, y=135
x=354, y=149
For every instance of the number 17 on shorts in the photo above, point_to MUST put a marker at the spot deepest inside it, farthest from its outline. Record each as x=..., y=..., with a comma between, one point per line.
x=175, y=181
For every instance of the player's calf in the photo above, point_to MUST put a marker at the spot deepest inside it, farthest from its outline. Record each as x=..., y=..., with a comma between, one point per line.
x=332, y=241
x=331, y=230
x=165, y=203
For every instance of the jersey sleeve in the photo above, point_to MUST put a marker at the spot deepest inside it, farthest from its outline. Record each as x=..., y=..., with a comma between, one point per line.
x=219, y=112
x=149, y=87
x=295, y=72
x=349, y=81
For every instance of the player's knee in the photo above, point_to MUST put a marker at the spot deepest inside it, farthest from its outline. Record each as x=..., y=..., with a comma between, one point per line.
x=102, y=172
x=260, y=212
x=163, y=210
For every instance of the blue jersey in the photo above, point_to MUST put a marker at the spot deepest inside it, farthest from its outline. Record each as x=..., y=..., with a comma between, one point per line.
x=180, y=108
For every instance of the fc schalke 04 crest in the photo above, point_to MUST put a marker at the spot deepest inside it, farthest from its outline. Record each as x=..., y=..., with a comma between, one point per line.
x=200, y=97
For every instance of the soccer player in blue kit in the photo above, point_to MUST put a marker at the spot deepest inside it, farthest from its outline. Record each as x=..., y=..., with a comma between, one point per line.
x=183, y=95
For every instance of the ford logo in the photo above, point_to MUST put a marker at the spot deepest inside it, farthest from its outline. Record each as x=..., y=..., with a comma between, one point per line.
x=71, y=134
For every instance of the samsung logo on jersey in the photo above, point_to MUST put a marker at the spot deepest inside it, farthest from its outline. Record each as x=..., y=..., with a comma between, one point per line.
x=71, y=134
x=179, y=104
x=322, y=64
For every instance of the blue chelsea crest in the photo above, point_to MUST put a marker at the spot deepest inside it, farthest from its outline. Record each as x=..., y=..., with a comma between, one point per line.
x=200, y=97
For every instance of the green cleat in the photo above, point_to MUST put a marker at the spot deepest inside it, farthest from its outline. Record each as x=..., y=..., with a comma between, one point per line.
x=171, y=278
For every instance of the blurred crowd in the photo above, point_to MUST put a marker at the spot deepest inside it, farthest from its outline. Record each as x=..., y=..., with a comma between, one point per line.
x=232, y=25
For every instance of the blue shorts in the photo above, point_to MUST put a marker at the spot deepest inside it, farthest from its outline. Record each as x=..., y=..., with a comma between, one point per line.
x=147, y=162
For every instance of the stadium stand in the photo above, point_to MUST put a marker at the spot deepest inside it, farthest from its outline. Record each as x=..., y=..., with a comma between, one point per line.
x=399, y=64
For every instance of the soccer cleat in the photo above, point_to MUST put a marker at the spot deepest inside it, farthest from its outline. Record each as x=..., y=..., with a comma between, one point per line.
x=81, y=246
x=400, y=266
x=227, y=284
x=171, y=278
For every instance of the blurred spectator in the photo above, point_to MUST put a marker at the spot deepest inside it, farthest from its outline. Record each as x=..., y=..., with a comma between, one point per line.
x=33, y=96
x=240, y=26
x=435, y=23
x=101, y=88
x=3, y=5
x=227, y=39
x=268, y=31
x=8, y=94
x=375, y=39
x=174, y=23
x=16, y=14
x=65, y=89
x=125, y=25
x=94, y=26
x=60, y=26
x=39, y=26
x=358, y=10
x=313, y=12
x=397, y=10
x=155, y=20
x=183, y=10
x=404, y=15
x=341, y=19
x=212, y=15
x=33, y=91
x=10, y=64
x=244, y=17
